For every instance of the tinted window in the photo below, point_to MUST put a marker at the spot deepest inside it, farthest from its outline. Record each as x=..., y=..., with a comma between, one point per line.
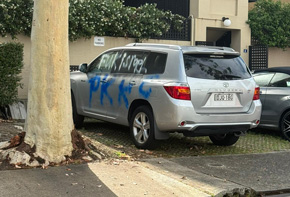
x=215, y=67
x=104, y=63
x=155, y=63
x=131, y=62
x=280, y=80
x=263, y=79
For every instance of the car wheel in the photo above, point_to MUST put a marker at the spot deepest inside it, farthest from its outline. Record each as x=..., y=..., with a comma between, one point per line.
x=77, y=119
x=285, y=126
x=142, y=128
x=224, y=139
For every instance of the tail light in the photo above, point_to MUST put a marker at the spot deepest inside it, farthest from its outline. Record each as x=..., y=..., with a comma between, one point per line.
x=178, y=92
x=256, y=94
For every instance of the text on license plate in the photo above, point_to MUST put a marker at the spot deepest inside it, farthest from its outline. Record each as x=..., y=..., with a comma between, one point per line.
x=223, y=97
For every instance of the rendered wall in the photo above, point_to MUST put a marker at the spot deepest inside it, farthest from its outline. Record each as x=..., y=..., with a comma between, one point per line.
x=80, y=51
x=209, y=13
x=278, y=57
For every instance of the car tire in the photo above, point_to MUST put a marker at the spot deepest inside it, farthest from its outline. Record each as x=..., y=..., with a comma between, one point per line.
x=77, y=119
x=285, y=126
x=142, y=128
x=224, y=139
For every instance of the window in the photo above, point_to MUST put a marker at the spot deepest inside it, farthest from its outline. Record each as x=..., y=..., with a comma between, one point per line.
x=105, y=62
x=155, y=63
x=131, y=62
x=280, y=80
x=216, y=67
x=263, y=79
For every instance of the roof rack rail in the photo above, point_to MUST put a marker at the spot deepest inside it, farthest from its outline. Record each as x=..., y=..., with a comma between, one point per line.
x=176, y=47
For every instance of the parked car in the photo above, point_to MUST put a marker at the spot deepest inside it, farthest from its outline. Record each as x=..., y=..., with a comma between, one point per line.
x=275, y=98
x=158, y=89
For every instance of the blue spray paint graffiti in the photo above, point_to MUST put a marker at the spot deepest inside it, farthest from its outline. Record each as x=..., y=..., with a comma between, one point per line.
x=122, y=93
x=146, y=93
x=93, y=87
x=123, y=90
x=104, y=89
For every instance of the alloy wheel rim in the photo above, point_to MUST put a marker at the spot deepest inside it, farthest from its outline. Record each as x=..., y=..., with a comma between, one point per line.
x=141, y=128
x=286, y=125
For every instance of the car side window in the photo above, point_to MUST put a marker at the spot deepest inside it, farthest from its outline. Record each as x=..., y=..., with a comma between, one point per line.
x=155, y=63
x=263, y=79
x=104, y=63
x=131, y=62
x=280, y=80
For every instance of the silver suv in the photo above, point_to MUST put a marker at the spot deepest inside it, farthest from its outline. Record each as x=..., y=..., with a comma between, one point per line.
x=159, y=89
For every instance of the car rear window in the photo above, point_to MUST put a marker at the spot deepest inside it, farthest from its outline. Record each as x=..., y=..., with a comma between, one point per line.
x=216, y=67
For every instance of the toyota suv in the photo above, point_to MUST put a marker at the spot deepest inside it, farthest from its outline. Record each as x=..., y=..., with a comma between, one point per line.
x=159, y=89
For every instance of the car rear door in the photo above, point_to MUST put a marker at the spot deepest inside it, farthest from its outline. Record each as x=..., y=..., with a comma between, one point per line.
x=219, y=83
x=277, y=98
x=263, y=80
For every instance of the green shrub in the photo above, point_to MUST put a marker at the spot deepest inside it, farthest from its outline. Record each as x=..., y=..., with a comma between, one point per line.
x=16, y=17
x=11, y=57
x=89, y=18
x=270, y=23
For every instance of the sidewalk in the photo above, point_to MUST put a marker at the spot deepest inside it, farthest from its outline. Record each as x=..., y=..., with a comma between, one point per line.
x=191, y=176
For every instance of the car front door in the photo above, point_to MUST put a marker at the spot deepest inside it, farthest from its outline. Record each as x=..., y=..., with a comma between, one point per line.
x=95, y=89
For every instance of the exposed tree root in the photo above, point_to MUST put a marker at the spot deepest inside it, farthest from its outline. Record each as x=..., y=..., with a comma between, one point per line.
x=17, y=154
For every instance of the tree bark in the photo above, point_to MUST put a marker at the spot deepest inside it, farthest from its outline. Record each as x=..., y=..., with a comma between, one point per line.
x=49, y=116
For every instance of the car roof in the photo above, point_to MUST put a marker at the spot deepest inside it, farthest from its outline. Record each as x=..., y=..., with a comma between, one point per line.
x=275, y=69
x=188, y=49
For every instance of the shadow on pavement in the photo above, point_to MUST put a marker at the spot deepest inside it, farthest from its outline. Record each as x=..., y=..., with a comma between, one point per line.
x=72, y=180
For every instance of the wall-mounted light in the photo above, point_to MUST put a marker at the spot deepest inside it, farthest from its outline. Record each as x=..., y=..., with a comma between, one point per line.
x=227, y=21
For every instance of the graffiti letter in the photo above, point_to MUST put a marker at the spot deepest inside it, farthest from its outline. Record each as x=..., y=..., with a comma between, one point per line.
x=104, y=89
x=122, y=93
x=93, y=87
x=144, y=93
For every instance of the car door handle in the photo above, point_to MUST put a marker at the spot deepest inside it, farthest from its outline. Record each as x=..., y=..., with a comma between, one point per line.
x=132, y=83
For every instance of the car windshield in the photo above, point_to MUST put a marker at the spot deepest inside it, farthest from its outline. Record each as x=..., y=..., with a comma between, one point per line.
x=216, y=67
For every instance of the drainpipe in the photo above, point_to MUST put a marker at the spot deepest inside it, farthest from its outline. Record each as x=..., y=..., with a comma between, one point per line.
x=192, y=38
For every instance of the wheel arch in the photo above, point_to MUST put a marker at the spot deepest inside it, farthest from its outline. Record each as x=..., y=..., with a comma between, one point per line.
x=140, y=102
x=282, y=115
x=135, y=104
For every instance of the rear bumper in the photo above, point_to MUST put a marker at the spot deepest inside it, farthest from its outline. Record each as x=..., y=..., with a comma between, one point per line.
x=204, y=124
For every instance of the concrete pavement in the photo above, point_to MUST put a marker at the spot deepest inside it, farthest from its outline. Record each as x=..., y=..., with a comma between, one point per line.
x=190, y=176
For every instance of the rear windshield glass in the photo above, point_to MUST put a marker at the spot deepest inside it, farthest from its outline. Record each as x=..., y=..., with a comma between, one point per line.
x=217, y=67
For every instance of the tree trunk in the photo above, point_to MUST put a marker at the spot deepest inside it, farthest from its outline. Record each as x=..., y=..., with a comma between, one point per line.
x=49, y=120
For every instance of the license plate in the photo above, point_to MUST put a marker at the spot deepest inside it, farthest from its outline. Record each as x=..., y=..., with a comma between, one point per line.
x=223, y=97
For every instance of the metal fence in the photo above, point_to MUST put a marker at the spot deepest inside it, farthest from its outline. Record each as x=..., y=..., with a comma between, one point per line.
x=258, y=57
x=176, y=7
x=74, y=68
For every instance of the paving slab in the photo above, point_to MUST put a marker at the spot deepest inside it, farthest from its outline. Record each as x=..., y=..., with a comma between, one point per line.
x=264, y=173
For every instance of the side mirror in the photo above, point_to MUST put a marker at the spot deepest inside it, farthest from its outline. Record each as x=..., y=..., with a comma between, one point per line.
x=83, y=67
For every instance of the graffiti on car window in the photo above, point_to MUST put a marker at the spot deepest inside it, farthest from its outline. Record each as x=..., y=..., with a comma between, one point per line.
x=130, y=63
